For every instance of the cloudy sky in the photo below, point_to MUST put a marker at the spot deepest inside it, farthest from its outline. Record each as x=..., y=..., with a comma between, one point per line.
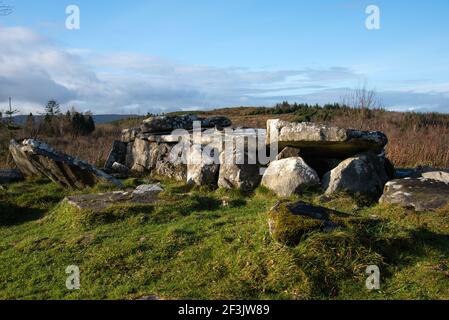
x=144, y=56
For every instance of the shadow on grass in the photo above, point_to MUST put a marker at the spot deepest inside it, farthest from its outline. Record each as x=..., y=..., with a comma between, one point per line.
x=11, y=215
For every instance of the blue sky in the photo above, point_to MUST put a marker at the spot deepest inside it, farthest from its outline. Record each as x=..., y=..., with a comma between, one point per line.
x=151, y=56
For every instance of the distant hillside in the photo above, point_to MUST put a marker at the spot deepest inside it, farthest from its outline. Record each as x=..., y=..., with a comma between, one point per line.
x=99, y=118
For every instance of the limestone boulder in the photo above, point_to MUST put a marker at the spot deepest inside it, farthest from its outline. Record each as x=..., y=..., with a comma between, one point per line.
x=129, y=135
x=202, y=166
x=420, y=194
x=365, y=173
x=322, y=140
x=239, y=170
x=442, y=176
x=289, y=176
x=33, y=157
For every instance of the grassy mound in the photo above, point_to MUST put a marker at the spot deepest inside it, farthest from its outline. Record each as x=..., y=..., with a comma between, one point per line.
x=199, y=243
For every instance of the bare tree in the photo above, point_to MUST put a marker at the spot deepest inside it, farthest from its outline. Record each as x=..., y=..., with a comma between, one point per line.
x=362, y=98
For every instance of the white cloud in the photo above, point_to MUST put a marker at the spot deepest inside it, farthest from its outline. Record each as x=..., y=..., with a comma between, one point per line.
x=34, y=70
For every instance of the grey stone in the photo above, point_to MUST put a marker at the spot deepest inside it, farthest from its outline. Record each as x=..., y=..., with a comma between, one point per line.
x=419, y=194
x=117, y=154
x=33, y=157
x=442, y=176
x=331, y=142
x=238, y=171
x=129, y=135
x=96, y=202
x=289, y=176
x=202, y=166
x=364, y=173
x=167, y=124
x=119, y=168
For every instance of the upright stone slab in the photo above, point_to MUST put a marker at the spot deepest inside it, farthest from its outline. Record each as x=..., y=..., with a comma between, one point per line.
x=117, y=154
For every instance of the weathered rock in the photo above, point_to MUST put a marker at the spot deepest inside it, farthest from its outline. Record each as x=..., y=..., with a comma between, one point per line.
x=10, y=176
x=173, y=163
x=97, y=202
x=22, y=162
x=119, y=168
x=419, y=194
x=331, y=142
x=289, y=223
x=33, y=157
x=167, y=124
x=216, y=122
x=363, y=174
x=129, y=135
x=202, y=166
x=238, y=170
x=442, y=176
x=147, y=190
x=140, y=155
x=289, y=152
x=116, y=155
x=289, y=176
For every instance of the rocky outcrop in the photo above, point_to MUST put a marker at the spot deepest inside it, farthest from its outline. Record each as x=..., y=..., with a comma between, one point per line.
x=290, y=223
x=420, y=194
x=33, y=157
x=331, y=142
x=365, y=173
x=289, y=176
x=10, y=176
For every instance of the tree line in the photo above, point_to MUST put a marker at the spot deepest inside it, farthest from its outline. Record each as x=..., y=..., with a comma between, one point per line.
x=52, y=122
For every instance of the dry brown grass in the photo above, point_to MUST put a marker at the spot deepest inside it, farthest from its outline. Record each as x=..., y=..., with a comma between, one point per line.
x=413, y=139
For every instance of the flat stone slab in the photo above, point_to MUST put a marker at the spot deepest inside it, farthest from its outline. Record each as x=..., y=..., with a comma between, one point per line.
x=322, y=140
x=35, y=158
x=420, y=194
x=96, y=202
x=10, y=176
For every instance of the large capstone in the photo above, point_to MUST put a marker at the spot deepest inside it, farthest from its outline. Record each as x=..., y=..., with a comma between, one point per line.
x=289, y=176
x=365, y=174
x=420, y=194
x=322, y=140
x=167, y=124
x=33, y=158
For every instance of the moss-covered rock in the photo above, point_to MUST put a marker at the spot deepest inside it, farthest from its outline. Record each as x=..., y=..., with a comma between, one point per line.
x=290, y=223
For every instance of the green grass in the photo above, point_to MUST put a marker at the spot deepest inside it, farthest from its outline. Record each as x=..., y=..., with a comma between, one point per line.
x=192, y=246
